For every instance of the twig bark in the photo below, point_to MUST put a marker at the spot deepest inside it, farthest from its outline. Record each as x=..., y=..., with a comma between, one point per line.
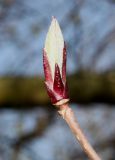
x=66, y=112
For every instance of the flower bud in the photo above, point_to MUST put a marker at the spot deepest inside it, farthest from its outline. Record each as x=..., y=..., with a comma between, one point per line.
x=54, y=63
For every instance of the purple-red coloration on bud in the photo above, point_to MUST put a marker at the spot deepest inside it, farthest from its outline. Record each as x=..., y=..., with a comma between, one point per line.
x=54, y=62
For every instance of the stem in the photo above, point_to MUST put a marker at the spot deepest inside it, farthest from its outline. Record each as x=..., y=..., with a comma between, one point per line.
x=66, y=112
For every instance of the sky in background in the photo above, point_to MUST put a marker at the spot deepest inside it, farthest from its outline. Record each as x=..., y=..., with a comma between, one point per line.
x=88, y=27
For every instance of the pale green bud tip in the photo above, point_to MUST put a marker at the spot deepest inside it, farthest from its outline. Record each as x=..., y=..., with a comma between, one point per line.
x=54, y=45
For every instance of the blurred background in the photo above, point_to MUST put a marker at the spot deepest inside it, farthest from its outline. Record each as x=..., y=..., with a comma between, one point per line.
x=30, y=128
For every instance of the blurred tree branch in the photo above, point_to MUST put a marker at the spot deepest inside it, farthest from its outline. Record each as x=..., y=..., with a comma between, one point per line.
x=108, y=39
x=40, y=128
x=84, y=88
